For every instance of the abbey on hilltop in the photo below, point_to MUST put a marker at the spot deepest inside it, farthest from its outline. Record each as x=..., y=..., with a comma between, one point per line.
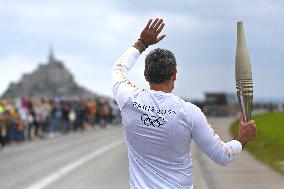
x=49, y=80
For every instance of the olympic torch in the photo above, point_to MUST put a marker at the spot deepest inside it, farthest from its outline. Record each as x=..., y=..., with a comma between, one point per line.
x=243, y=74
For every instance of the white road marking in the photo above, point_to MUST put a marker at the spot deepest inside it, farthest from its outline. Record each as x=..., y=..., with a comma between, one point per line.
x=66, y=169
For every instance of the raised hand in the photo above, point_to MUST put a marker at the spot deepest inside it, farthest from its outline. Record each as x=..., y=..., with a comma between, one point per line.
x=150, y=34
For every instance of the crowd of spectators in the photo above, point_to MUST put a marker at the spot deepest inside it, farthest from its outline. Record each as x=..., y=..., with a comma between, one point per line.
x=26, y=119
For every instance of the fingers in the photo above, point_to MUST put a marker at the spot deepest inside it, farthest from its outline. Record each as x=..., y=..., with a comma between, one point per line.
x=160, y=27
x=154, y=23
x=242, y=118
x=252, y=122
x=252, y=126
x=158, y=24
x=160, y=38
x=148, y=24
x=150, y=34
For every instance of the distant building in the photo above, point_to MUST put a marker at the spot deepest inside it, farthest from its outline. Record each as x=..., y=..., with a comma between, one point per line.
x=49, y=80
x=220, y=104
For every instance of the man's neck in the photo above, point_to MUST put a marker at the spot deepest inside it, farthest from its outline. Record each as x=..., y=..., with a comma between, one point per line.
x=165, y=87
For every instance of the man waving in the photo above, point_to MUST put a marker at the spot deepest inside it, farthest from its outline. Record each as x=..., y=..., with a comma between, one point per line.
x=159, y=126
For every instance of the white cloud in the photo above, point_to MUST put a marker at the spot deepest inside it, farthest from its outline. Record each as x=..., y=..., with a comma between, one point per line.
x=55, y=20
x=182, y=22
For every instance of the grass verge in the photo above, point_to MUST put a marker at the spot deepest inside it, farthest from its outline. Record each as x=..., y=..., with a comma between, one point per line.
x=268, y=145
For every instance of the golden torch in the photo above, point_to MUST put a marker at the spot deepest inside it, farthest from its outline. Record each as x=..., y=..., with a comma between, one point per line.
x=243, y=74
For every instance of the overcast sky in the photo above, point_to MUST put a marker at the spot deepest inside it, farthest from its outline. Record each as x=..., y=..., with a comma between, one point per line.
x=90, y=35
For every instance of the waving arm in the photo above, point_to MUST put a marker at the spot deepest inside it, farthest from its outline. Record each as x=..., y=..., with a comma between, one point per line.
x=122, y=86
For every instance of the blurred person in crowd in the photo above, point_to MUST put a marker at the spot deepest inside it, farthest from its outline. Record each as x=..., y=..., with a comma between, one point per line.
x=20, y=129
x=115, y=113
x=9, y=127
x=2, y=126
x=44, y=115
x=81, y=115
x=34, y=118
x=110, y=114
x=10, y=117
x=72, y=116
x=24, y=116
x=38, y=111
x=2, y=108
x=55, y=118
x=92, y=110
x=24, y=112
x=65, y=117
x=103, y=112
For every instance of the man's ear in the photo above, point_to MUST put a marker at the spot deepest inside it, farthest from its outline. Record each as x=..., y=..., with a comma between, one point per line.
x=174, y=75
x=145, y=75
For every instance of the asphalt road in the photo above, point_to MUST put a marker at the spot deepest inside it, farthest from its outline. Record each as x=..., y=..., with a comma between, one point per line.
x=90, y=159
x=98, y=159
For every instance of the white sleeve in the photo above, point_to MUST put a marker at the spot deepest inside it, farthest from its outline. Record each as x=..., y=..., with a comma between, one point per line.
x=209, y=142
x=122, y=86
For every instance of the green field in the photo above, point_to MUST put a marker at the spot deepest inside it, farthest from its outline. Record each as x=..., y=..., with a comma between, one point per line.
x=268, y=145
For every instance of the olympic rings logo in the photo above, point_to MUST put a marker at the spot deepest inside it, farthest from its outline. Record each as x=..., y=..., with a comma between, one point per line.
x=152, y=120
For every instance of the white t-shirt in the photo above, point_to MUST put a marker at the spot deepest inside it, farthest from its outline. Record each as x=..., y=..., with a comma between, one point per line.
x=158, y=130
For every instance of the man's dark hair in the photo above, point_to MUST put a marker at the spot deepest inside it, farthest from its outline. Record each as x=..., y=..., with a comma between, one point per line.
x=160, y=64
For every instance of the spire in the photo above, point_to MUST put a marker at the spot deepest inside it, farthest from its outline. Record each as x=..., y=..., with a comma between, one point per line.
x=51, y=57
